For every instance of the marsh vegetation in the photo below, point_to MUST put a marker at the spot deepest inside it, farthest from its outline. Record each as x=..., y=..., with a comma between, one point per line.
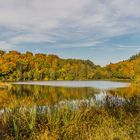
x=69, y=113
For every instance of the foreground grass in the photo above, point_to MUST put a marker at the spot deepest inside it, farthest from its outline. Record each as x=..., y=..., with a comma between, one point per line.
x=108, y=122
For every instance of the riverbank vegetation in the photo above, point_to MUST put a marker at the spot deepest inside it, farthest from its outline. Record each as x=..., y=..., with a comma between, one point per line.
x=16, y=66
x=113, y=118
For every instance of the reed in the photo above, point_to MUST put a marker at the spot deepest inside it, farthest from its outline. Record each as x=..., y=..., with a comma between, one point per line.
x=107, y=122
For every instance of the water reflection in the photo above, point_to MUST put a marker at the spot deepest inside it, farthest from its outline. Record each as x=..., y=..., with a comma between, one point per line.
x=52, y=95
x=47, y=98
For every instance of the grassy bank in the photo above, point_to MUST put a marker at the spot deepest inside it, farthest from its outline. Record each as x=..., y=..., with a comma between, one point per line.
x=108, y=122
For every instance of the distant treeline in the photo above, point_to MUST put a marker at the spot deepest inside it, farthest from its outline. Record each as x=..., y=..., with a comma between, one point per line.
x=16, y=66
x=127, y=70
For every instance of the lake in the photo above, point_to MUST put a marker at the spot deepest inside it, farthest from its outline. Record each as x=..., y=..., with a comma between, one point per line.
x=66, y=92
x=51, y=97
x=69, y=93
x=95, y=84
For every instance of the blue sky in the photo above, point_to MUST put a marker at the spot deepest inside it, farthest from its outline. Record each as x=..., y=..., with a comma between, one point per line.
x=103, y=31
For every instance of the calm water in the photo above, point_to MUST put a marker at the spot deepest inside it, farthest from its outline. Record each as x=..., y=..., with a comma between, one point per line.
x=52, y=94
x=76, y=84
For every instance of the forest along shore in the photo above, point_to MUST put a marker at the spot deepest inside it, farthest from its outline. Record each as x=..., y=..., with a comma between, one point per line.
x=16, y=66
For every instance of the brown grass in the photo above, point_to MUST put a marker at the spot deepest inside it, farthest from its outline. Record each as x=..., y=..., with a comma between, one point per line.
x=86, y=123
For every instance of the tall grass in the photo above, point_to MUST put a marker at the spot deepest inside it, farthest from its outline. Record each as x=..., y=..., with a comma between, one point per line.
x=107, y=122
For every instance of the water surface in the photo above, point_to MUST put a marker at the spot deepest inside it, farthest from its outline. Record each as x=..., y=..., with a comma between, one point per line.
x=95, y=84
x=55, y=94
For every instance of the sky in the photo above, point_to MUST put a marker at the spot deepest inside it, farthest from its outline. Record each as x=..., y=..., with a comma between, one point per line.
x=103, y=31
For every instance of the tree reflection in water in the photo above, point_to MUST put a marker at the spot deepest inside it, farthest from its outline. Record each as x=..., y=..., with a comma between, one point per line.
x=27, y=108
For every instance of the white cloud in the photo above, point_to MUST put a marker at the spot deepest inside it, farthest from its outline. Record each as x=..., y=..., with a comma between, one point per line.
x=5, y=46
x=36, y=38
x=128, y=47
x=76, y=21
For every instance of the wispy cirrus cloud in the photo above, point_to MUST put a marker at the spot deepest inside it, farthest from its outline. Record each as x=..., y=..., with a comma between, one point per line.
x=67, y=23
